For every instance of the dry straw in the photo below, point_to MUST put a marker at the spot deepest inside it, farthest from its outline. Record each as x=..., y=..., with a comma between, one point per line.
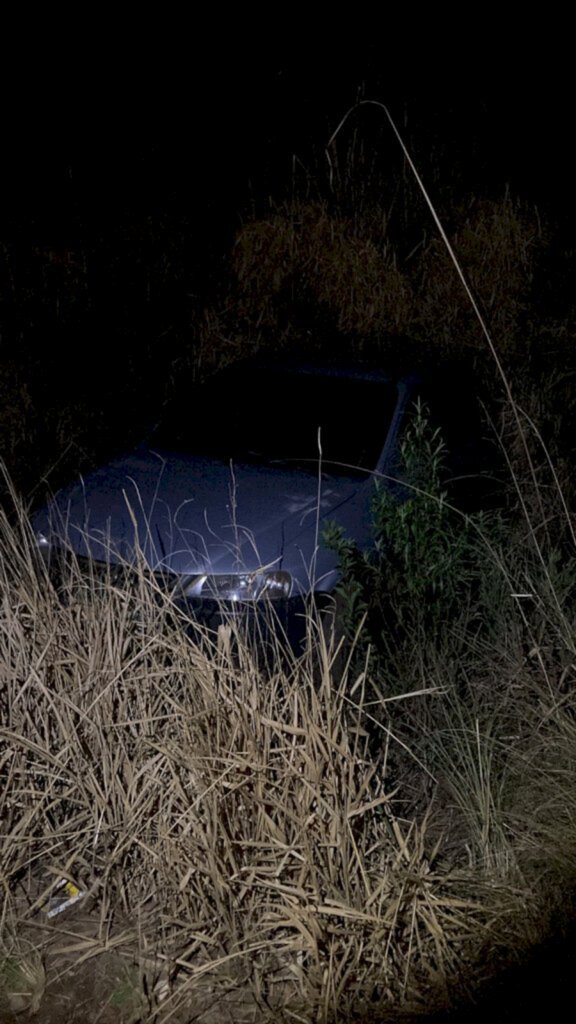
x=303, y=252
x=231, y=830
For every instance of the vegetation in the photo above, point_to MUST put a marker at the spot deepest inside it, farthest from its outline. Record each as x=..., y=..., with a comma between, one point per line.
x=235, y=831
x=372, y=827
x=427, y=573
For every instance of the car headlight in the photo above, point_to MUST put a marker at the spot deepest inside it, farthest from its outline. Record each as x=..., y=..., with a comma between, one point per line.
x=244, y=586
x=43, y=546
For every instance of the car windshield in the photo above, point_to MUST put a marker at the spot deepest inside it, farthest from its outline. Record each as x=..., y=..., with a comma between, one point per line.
x=279, y=417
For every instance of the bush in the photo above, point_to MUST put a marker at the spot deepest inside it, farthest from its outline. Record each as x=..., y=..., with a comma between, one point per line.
x=426, y=571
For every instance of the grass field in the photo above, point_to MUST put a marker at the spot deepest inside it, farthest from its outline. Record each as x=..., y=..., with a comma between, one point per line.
x=331, y=834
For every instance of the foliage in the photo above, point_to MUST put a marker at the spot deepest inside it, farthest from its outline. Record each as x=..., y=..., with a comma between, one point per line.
x=225, y=823
x=307, y=253
x=232, y=828
x=426, y=558
x=320, y=265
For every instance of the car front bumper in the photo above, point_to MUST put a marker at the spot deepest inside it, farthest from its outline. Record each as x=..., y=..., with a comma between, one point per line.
x=283, y=622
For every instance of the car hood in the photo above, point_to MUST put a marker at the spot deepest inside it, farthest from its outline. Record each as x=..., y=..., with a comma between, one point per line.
x=193, y=515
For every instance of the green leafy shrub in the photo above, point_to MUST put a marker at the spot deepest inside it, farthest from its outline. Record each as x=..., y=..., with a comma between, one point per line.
x=427, y=570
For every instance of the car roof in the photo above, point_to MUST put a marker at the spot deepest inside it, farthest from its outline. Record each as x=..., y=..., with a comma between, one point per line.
x=312, y=365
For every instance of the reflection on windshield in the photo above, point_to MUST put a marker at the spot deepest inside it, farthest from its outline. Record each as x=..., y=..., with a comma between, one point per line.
x=284, y=418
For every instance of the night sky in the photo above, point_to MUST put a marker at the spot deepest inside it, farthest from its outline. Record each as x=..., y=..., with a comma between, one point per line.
x=203, y=134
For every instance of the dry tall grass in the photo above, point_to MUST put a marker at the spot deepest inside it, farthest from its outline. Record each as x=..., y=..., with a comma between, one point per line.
x=497, y=242
x=309, y=265
x=241, y=840
x=304, y=251
x=235, y=836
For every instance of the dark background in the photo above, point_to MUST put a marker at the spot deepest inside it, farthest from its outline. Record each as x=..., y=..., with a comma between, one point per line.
x=84, y=144
x=144, y=157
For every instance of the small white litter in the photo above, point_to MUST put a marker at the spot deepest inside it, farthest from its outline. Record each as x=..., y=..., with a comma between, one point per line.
x=65, y=894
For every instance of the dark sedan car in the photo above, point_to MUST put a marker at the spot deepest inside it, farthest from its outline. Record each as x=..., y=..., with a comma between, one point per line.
x=228, y=497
